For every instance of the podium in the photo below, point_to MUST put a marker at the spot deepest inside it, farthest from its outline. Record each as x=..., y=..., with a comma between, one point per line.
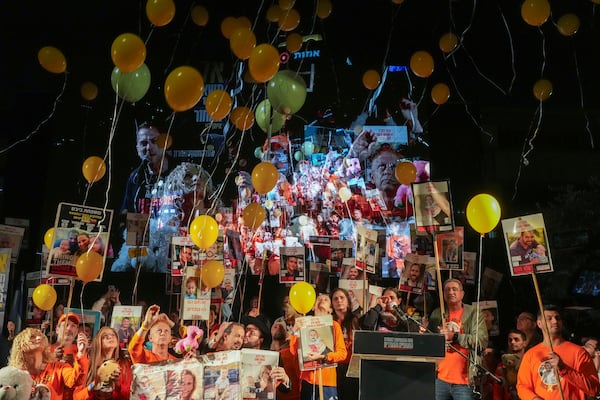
x=391, y=365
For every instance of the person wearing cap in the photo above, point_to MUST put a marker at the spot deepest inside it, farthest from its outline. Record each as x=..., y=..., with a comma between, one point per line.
x=67, y=331
x=257, y=334
x=156, y=328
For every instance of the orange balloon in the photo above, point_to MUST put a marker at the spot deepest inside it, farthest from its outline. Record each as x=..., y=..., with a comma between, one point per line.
x=371, y=79
x=286, y=4
x=213, y=272
x=241, y=42
x=254, y=215
x=242, y=118
x=324, y=8
x=128, y=52
x=289, y=20
x=183, y=88
x=406, y=172
x=243, y=22
x=440, y=93
x=164, y=141
x=264, y=177
x=89, y=265
x=421, y=64
x=293, y=42
x=535, y=12
x=263, y=62
x=218, y=104
x=160, y=12
x=273, y=13
x=448, y=42
x=568, y=24
x=228, y=25
x=89, y=91
x=542, y=89
x=52, y=59
x=200, y=15
x=93, y=169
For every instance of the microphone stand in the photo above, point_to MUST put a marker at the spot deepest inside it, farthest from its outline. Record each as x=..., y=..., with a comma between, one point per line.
x=481, y=370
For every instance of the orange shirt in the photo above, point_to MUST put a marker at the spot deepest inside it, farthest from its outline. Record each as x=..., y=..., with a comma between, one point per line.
x=329, y=375
x=122, y=389
x=139, y=355
x=453, y=368
x=292, y=368
x=59, y=376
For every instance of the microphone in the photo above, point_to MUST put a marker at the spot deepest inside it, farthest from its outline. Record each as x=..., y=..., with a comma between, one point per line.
x=397, y=311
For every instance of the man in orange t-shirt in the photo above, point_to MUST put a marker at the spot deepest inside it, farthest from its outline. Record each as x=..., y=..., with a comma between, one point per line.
x=465, y=330
x=157, y=327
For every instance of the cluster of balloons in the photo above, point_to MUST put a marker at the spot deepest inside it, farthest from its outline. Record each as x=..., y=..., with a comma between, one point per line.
x=302, y=297
x=130, y=78
x=483, y=213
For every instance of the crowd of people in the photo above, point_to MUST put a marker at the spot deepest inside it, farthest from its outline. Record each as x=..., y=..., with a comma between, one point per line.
x=537, y=361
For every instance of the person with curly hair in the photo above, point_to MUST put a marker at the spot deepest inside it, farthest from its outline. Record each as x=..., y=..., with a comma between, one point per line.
x=31, y=352
x=105, y=346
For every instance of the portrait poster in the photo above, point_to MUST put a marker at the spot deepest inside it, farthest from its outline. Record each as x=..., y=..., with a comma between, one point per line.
x=490, y=283
x=126, y=320
x=489, y=309
x=195, y=301
x=398, y=245
x=356, y=292
x=341, y=251
x=184, y=253
x=375, y=292
x=413, y=276
x=450, y=249
x=167, y=380
x=367, y=249
x=433, y=206
x=91, y=318
x=292, y=267
x=78, y=229
x=316, y=338
x=350, y=270
x=527, y=244
x=256, y=367
x=467, y=275
x=222, y=372
x=11, y=237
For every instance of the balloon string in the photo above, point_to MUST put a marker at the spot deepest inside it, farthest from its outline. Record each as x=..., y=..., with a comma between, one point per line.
x=581, y=102
x=479, y=279
x=43, y=122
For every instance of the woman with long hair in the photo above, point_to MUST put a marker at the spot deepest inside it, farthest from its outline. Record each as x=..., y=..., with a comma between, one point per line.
x=31, y=352
x=188, y=384
x=342, y=313
x=105, y=346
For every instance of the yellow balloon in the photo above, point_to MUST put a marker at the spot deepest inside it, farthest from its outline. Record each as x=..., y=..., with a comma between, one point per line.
x=242, y=117
x=52, y=59
x=264, y=177
x=293, y=42
x=273, y=13
x=49, y=238
x=93, y=169
x=302, y=297
x=535, y=12
x=289, y=20
x=440, y=93
x=204, y=231
x=448, y=42
x=568, y=24
x=254, y=215
x=213, y=273
x=371, y=79
x=542, y=89
x=89, y=266
x=89, y=91
x=228, y=25
x=263, y=62
x=241, y=42
x=323, y=8
x=421, y=64
x=128, y=52
x=483, y=213
x=286, y=4
x=406, y=172
x=160, y=12
x=200, y=15
x=44, y=296
x=218, y=104
x=183, y=88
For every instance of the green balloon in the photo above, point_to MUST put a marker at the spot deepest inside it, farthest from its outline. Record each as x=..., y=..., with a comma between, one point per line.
x=131, y=86
x=287, y=92
x=263, y=117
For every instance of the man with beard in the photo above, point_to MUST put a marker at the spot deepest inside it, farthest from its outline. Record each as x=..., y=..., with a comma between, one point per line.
x=509, y=366
x=257, y=335
x=229, y=336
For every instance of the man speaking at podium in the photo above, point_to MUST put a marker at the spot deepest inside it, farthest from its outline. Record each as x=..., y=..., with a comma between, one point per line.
x=466, y=333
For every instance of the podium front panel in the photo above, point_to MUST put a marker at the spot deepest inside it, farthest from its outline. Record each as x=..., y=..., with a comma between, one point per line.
x=393, y=380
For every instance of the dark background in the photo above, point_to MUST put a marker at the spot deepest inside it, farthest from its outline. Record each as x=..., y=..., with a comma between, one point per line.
x=475, y=140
